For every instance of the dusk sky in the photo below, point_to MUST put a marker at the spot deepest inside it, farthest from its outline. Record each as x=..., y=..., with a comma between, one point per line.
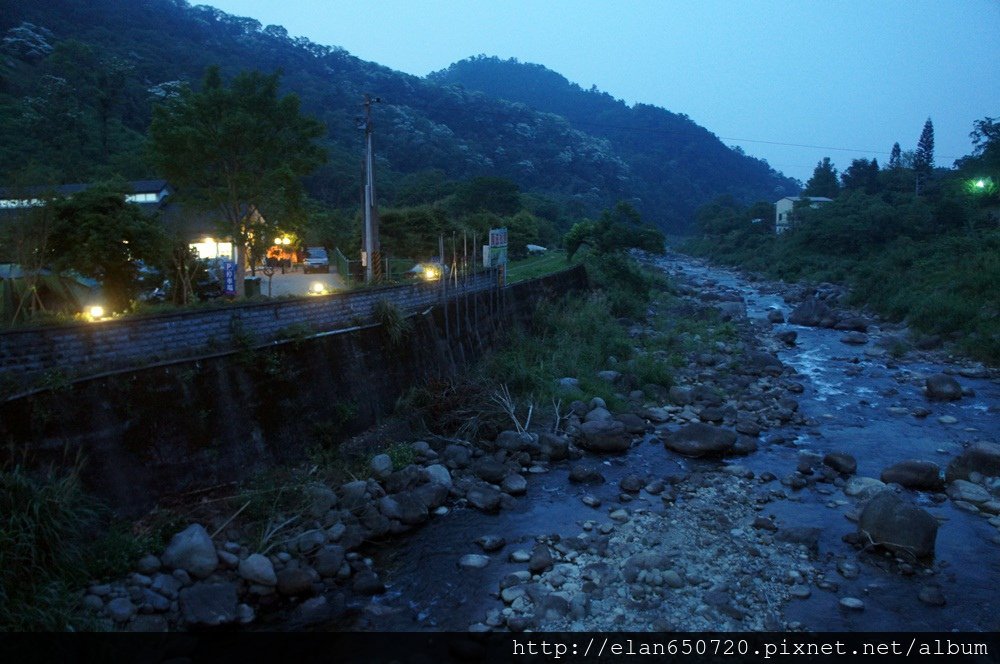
x=855, y=75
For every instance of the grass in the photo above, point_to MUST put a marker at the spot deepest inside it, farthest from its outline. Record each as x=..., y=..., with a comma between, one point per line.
x=53, y=540
x=537, y=266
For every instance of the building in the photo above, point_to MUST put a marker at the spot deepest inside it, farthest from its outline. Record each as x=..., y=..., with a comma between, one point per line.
x=784, y=210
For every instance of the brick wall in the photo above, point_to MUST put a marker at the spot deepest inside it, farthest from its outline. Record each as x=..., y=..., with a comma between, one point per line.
x=89, y=347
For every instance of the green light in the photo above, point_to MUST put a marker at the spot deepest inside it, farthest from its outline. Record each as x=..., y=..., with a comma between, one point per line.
x=980, y=184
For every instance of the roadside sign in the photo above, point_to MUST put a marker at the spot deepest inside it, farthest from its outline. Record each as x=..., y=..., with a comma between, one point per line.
x=228, y=278
x=498, y=254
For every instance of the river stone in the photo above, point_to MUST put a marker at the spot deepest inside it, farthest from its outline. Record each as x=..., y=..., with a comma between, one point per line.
x=430, y=496
x=554, y=447
x=855, y=323
x=764, y=363
x=967, y=491
x=484, y=498
x=604, y=437
x=474, y=561
x=257, y=568
x=403, y=507
x=583, y=474
x=541, y=559
x=863, y=487
x=192, y=550
x=609, y=375
x=787, y=337
x=657, y=414
x=852, y=604
x=902, y=528
x=366, y=582
x=811, y=313
x=121, y=609
x=148, y=565
x=354, y=494
x=633, y=423
x=932, y=596
x=209, y=604
x=680, y=396
x=456, y=456
x=599, y=414
x=698, y=439
x=568, y=383
x=490, y=470
x=854, y=339
x=841, y=462
x=491, y=543
x=631, y=484
x=942, y=387
x=514, y=484
x=775, y=316
x=328, y=561
x=438, y=474
x=295, y=582
x=982, y=458
x=914, y=474
x=514, y=441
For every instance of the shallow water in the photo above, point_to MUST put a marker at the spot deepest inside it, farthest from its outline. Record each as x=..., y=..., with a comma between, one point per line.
x=427, y=591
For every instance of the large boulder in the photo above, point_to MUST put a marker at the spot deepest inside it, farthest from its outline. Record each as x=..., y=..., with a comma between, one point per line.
x=604, y=437
x=192, y=550
x=257, y=568
x=942, y=387
x=982, y=458
x=890, y=522
x=812, y=313
x=698, y=439
x=841, y=462
x=764, y=363
x=914, y=474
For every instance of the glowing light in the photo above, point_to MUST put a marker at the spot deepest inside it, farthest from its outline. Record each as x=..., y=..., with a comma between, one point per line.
x=980, y=184
x=95, y=312
x=318, y=288
x=430, y=273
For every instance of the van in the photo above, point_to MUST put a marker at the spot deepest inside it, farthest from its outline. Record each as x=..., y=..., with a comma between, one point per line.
x=316, y=260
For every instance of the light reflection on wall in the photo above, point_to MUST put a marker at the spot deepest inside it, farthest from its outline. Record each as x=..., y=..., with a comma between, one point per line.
x=211, y=248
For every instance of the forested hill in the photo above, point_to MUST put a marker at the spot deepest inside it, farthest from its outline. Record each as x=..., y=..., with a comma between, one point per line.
x=676, y=164
x=78, y=79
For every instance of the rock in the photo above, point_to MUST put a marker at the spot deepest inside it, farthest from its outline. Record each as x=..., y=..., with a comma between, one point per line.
x=811, y=313
x=787, y=337
x=807, y=536
x=932, y=596
x=680, y=396
x=967, y=491
x=914, y=474
x=295, y=582
x=148, y=564
x=983, y=458
x=764, y=363
x=321, y=500
x=354, y=494
x=657, y=414
x=328, y=561
x=366, y=582
x=841, y=462
x=192, y=550
x=582, y=474
x=947, y=419
x=149, y=624
x=852, y=604
x=456, y=456
x=775, y=316
x=208, y=604
x=484, y=498
x=698, y=439
x=541, y=559
x=854, y=339
x=121, y=609
x=633, y=423
x=257, y=568
x=381, y=466
x=890, y=522
x=863, y=487
x=609, y=375
x=430, y=495
x=855, y=323
x=513, y=441
x=474, y=561
x=404, y=507
x=942, y=387
x=438, y=474
x=514, y=484
x=599, y=414
x=631, y=484
x=604, y=437
x=568, y=383
x=554, y=447
x=491, y=543
x=489, y=470
x=310, y=541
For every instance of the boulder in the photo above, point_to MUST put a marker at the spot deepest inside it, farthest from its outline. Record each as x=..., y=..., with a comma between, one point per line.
x=490, y=470
x=604, y=437
x=514, y=484
x=513, y=441
x=633, y=423
x=191, y=550
x=968, y=492
x=764, y=363
x=438, y=474
x=381, y=466
x=541, y=559
x=854, y=323
x=403, y=507
x=257, y=568
x=890, y=522
x=854, y=339
x=484, y=498
x=942, y=387
x=209, y=604
x=295, y=582
x=982, y=458
x=863, y=488
x=680, y=396
x=914, y=474
x=582, y=474
x=329, y=560
x=698, y=439
x=811, y=313
x=775, y=316
x=841, y=462
x=599, y=414
x=787, y=337
x=553, y=447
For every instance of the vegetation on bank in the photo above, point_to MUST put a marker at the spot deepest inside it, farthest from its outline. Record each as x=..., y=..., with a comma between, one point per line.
x=931, y=258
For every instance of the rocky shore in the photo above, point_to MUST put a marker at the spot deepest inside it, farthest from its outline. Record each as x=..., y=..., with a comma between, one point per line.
x=693, y=544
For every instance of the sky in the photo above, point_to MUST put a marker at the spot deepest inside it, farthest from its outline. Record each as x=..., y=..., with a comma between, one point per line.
x=844, y=78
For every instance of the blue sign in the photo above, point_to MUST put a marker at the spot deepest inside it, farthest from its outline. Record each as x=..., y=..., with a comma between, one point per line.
x=229, y=278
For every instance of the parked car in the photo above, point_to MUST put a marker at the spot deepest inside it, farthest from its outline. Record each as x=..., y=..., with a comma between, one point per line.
x=316, y=260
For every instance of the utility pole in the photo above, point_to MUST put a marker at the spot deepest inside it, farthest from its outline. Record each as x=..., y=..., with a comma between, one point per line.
x=372, y=250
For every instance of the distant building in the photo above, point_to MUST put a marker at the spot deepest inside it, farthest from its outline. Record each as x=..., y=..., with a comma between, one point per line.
x=147, y=194
x=784, y=210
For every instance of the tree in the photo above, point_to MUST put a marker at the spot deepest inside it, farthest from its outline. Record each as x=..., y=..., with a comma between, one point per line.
x=861, y=174
x=923, y=158
x=99, y=235
x=823, y=181
x=616, y=231
x=488, y=194
x=238, y=151
x=895, y=158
